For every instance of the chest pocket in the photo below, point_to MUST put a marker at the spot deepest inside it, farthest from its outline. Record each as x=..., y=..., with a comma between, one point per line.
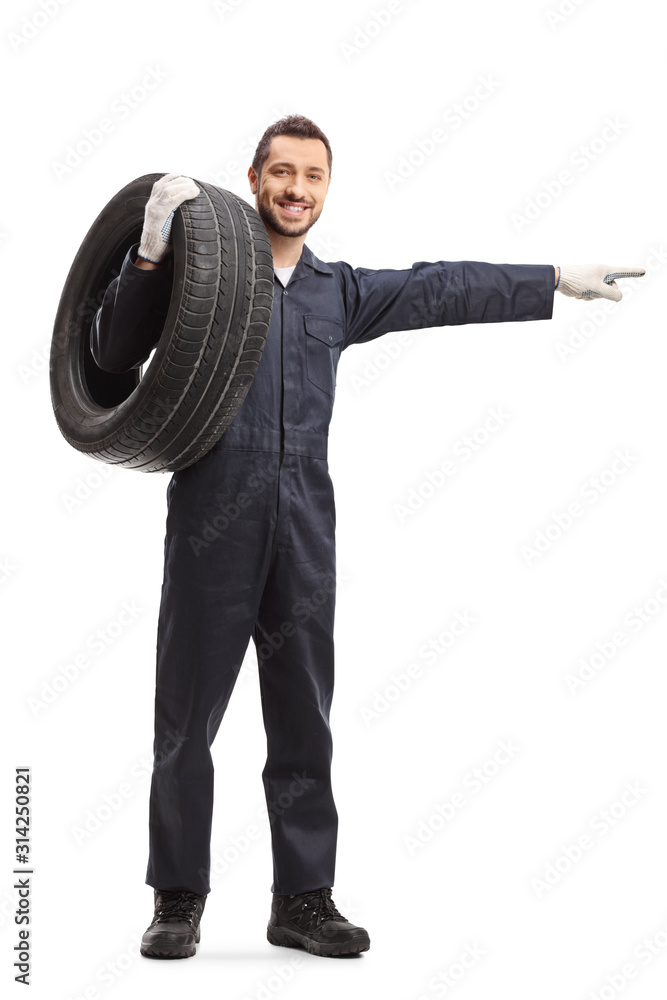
x=323, y=344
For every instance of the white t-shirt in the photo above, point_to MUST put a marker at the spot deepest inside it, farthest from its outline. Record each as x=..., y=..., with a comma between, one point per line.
x=284, y=274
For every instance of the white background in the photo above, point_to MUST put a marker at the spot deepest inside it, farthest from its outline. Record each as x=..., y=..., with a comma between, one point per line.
x=377, y=92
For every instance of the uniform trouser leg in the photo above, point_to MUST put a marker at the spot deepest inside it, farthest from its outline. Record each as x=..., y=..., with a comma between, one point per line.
x=220, y=525
x=249, y=550
x=295, y=653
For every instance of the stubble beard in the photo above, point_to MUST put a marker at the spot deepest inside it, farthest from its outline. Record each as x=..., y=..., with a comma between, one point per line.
x=271, y=219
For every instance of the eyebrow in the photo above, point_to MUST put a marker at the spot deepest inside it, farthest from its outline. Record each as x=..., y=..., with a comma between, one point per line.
x=286, y=163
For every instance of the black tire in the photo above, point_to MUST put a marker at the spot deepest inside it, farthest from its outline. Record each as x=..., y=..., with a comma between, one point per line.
x=211, y=343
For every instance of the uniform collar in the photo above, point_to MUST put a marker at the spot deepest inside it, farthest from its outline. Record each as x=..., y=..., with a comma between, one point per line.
x=309, y=258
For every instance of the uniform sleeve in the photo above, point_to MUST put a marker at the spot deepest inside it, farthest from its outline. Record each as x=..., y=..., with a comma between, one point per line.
x=443, y=293
x=128, y=324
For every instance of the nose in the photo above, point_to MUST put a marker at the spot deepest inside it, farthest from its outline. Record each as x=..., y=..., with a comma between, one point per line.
x=295, y=188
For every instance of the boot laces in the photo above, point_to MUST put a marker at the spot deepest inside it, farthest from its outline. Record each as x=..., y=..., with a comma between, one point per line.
x=179, y=905
x=321, y=904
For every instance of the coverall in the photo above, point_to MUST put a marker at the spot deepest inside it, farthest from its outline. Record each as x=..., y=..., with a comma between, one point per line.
x=249, y=546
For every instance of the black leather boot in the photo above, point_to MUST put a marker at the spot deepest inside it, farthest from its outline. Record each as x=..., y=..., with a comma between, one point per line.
x=310, y=920
x=174, y=932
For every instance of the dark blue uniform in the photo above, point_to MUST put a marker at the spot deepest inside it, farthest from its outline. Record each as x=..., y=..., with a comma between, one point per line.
x=249, y=547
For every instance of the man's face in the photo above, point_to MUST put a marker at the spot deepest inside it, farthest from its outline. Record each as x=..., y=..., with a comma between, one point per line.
x=294, y=181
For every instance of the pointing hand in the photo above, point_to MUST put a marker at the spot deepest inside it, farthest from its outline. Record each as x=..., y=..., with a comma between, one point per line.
x=595, y=281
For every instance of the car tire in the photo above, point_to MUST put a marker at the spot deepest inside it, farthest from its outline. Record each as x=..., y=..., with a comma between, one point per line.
x=167, y=417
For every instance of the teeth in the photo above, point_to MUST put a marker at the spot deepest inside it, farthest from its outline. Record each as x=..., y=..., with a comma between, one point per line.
x=294, y=208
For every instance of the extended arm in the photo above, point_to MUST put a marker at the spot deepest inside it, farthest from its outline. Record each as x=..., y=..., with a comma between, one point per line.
x=449, y=293
x=444, y=293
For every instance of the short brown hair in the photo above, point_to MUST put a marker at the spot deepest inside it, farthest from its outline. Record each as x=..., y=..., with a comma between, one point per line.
x=296, y=125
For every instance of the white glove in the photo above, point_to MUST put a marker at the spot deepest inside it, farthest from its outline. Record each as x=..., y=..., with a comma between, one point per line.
x=595, y=281
x=167, y=194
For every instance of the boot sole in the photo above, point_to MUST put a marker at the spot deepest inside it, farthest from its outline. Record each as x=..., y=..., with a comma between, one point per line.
x=157, y=953
x=285, y=938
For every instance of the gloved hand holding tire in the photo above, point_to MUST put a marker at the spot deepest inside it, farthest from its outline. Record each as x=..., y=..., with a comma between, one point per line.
x=166, y=195
x=595, y=281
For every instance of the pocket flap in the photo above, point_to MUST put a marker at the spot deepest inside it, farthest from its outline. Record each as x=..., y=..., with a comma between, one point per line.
x=329, y=331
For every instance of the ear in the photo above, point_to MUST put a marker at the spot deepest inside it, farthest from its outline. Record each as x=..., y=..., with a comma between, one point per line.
x=252, y=177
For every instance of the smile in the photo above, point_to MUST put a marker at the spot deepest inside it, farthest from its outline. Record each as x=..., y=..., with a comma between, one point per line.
x=292, y=209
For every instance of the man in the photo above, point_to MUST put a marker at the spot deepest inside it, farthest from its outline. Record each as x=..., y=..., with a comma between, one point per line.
x=268, y=570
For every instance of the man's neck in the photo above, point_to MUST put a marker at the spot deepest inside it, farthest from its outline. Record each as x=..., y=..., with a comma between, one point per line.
x=286, y=249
